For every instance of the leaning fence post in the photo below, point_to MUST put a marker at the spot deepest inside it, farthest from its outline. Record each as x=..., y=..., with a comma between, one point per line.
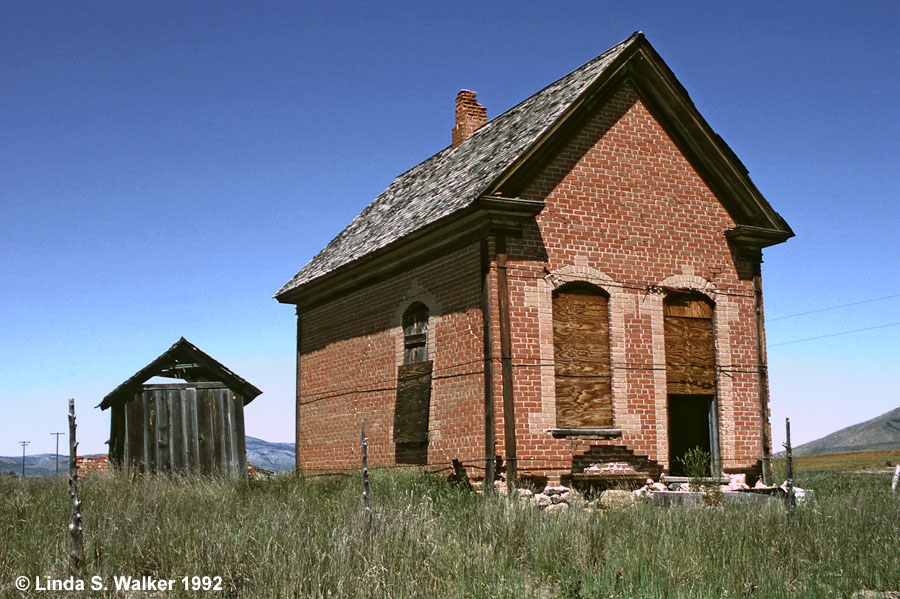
x=365, y=477
x=75, y=526
x=896, y=479
x=791, y=500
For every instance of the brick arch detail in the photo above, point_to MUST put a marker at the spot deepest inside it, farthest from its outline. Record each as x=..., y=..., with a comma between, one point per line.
x=545, y=419
x=693, y=283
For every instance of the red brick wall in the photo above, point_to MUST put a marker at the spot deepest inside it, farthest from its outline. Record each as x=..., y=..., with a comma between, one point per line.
x=351, y=349
x=625, y=210
x=88, y=465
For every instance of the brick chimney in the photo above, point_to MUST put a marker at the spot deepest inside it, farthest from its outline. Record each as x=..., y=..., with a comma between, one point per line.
x=470, y=115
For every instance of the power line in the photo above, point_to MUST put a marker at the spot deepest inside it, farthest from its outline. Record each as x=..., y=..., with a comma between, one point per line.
x=24, y=444
x=877, y=299
x=883, y=326
x=57, y=451
x=385, y=385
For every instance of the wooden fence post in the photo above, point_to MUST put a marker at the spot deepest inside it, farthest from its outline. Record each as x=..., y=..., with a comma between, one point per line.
x=896, y=479
x=791, y=499
x=75, y=526
x=365, y=477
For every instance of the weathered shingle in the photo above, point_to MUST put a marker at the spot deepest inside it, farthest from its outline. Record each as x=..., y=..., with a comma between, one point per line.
x=455, y=177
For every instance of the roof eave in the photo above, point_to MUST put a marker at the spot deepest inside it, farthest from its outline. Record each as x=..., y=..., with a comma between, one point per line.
x=714, y=160
x=659, y=89
x=234, y=382
x=757, y=236
x=485, y=216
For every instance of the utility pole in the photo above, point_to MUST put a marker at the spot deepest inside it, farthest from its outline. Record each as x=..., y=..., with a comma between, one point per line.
x=57, y=451
x=23, y=444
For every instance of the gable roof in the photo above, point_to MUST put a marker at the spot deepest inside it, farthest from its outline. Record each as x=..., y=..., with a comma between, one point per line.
x=185, y=361
x=455, y=178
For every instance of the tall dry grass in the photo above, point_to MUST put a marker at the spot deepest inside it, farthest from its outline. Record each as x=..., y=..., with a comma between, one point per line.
x=296, y=537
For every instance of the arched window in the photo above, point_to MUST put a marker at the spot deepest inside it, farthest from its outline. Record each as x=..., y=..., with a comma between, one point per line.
x=415, y=334
x=582, y=357
x=413, y=389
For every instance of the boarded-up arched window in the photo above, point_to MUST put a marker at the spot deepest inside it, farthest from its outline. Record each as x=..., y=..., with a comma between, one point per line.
x=413, y=389
x=581, y=356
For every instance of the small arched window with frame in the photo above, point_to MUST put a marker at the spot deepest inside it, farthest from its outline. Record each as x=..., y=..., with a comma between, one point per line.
x=415, y=334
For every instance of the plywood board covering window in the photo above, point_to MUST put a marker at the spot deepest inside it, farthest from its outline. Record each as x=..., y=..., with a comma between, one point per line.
x=581, y=357
x=690, y=348
x=413, y=402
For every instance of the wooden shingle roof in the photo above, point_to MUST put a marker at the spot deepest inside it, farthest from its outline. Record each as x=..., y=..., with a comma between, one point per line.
x=185, y=361
x=457, y=177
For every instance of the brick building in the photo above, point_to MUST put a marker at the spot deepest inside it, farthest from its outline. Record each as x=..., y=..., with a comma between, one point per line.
x=572, y=287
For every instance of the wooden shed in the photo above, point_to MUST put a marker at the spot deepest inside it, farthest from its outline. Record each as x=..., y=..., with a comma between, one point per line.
x=196, y=426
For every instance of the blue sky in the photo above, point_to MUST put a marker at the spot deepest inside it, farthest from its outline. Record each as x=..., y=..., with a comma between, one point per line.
x=165, y=167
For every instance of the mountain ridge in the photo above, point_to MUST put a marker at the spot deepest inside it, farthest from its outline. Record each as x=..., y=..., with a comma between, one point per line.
x=881, y=432
x=278, y=457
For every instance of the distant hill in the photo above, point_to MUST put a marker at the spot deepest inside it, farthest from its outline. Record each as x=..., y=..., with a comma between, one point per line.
x=879, y=433
x=278, y=457
x=39, y=464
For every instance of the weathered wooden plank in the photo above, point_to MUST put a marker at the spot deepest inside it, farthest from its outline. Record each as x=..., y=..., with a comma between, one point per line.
x=193, y=432
x=151, y=434
x=206, y=409
x=240, y=435
x=141, y=446
x=134, y=425
x=413, y=403
x=582, y=359
x=177, y=435
x=230, y=459
x=126, y=443
x=134, y=428
x=221, y=457
x=116, y=435
x=163, y=436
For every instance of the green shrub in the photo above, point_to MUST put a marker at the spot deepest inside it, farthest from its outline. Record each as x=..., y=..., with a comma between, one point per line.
x=696, y=463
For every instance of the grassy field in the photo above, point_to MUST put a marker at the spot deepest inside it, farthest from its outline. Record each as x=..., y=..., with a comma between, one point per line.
x=854, y=460
x=296, y=537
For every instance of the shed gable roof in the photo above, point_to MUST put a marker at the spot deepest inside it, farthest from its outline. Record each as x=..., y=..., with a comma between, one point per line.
x=455, y=178
x=185, y=361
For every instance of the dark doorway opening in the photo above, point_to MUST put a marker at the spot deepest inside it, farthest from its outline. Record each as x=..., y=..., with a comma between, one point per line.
x=689, y=427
